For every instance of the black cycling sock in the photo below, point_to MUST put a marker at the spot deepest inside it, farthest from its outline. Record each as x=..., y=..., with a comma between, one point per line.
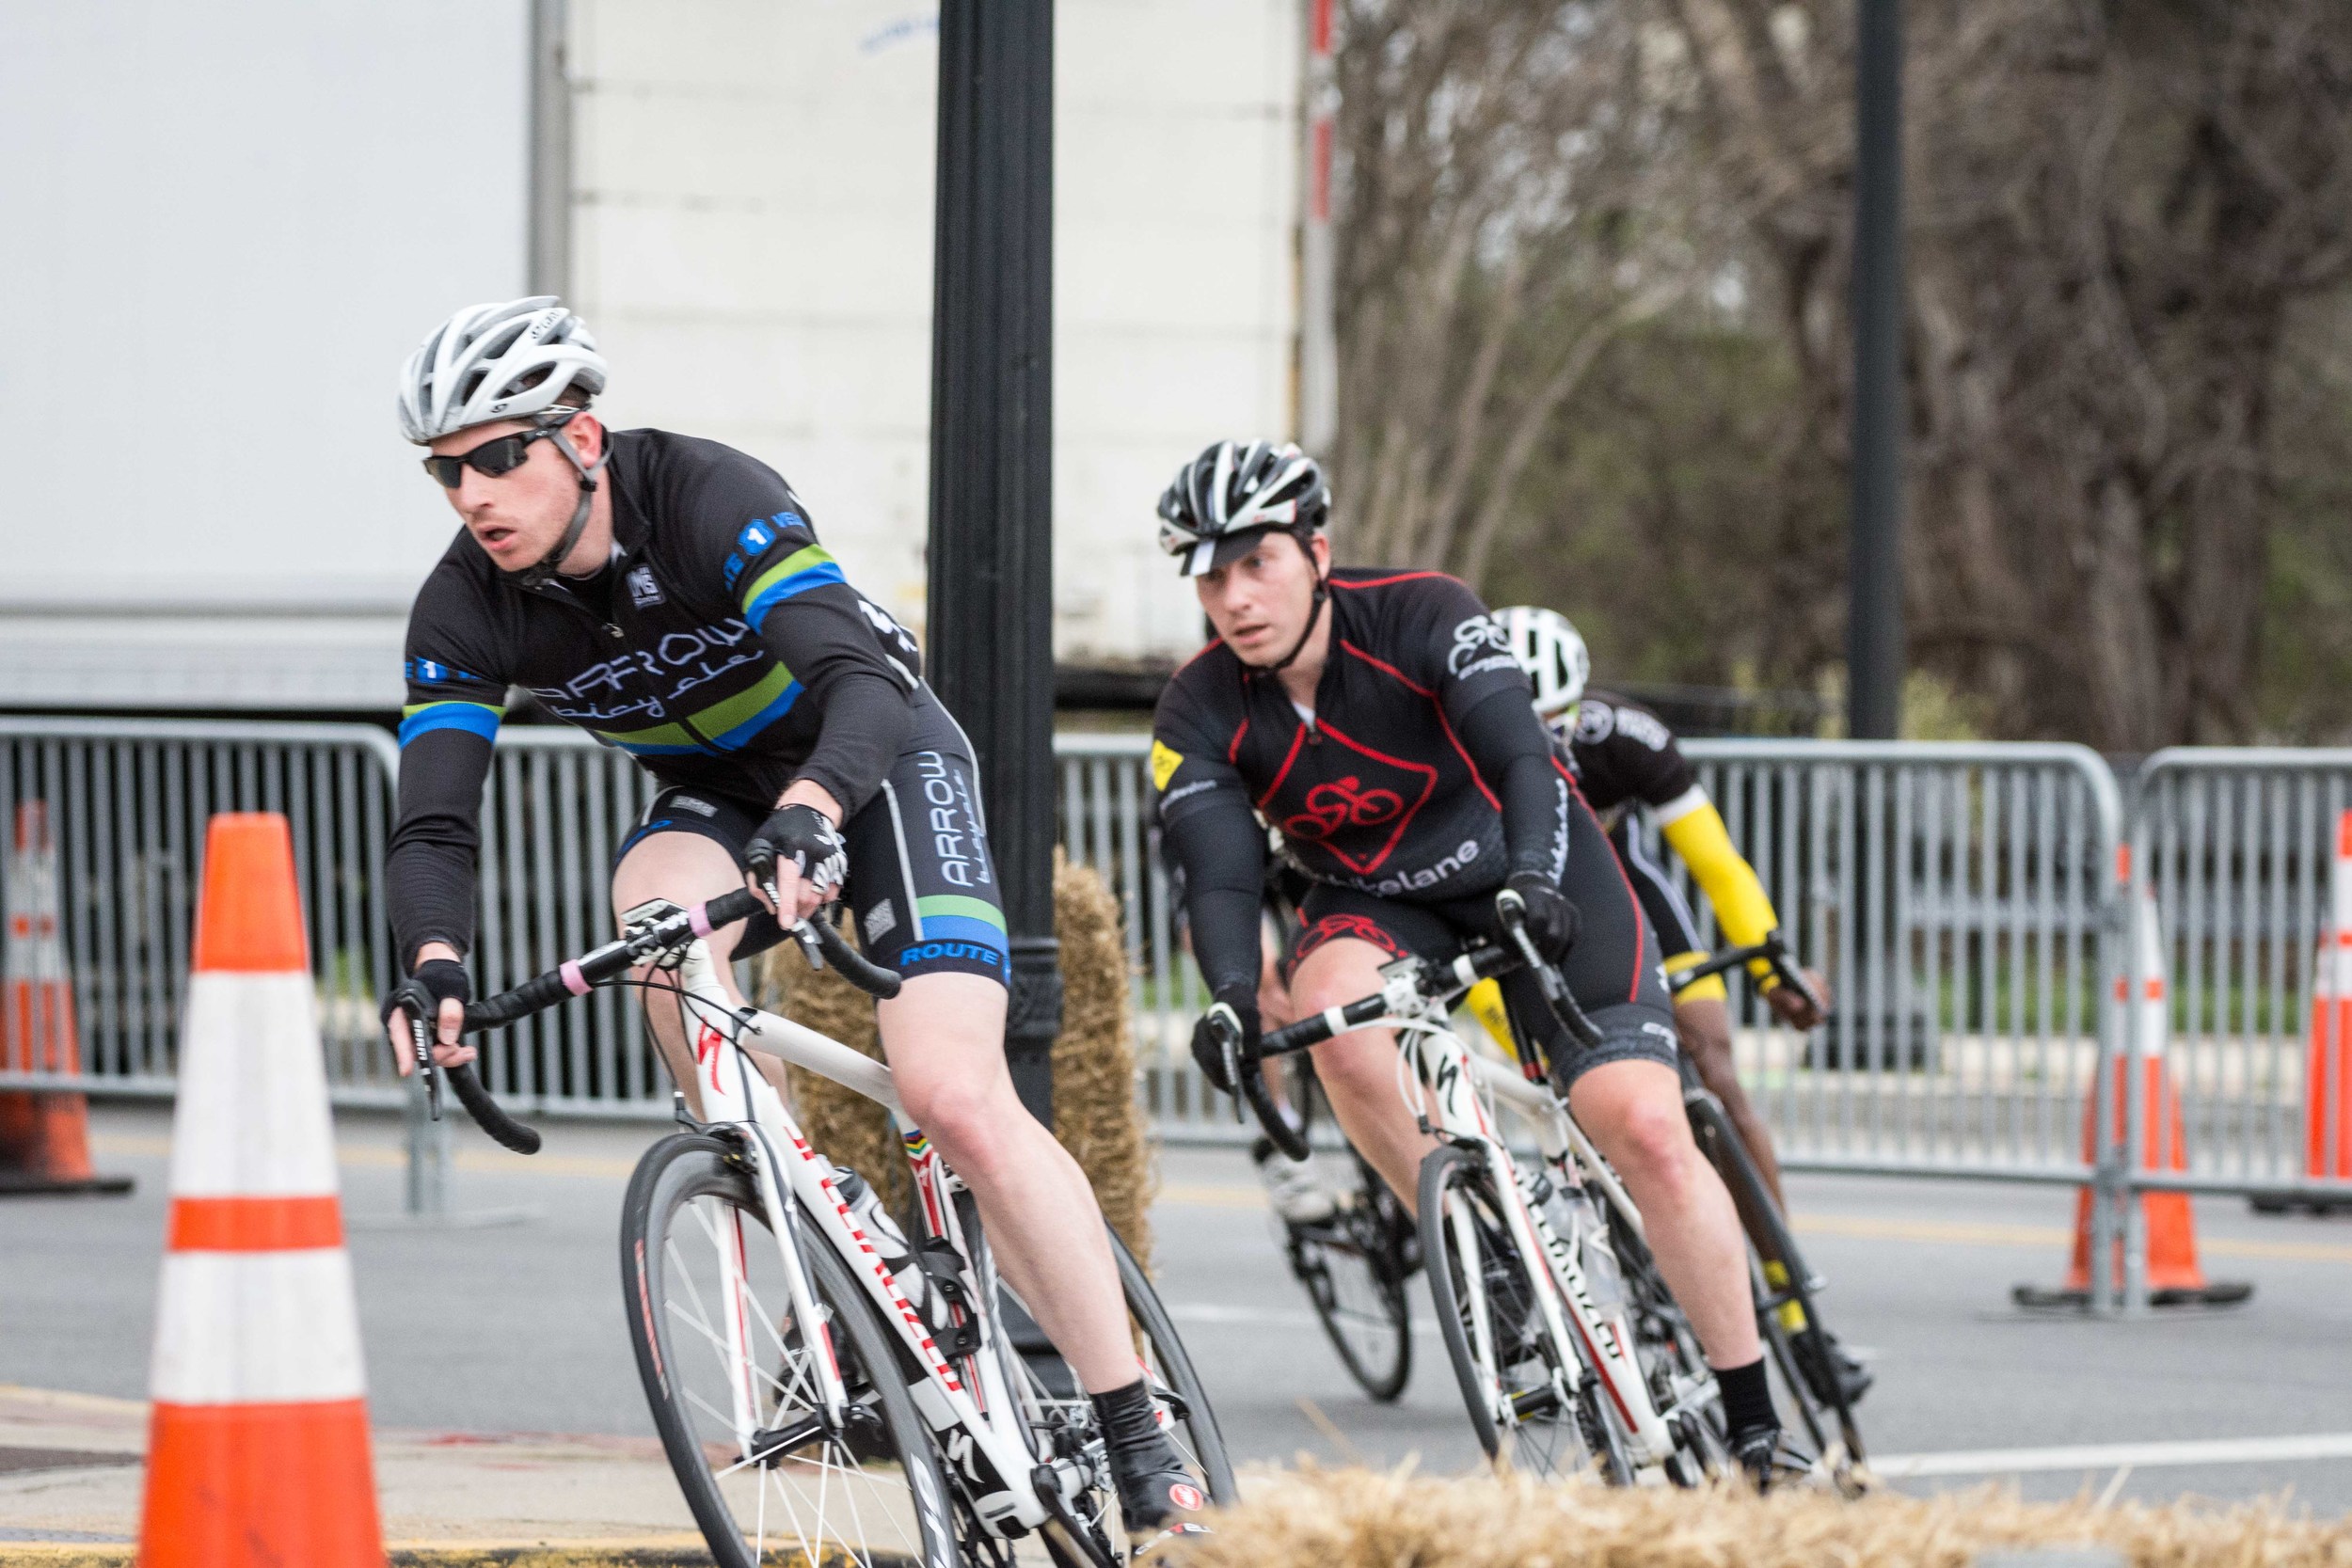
x=1145, y=1466
x=1129, y=1421
x=1747, y=1400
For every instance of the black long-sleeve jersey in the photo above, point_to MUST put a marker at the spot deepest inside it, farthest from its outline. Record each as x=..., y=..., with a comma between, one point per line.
x=726, y=653
x=1423, y=773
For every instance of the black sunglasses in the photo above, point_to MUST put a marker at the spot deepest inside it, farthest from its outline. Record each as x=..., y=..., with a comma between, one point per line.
x=503, y=455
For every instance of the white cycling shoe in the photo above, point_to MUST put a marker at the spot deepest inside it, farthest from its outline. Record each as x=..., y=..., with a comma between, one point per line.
x=1295, y=1191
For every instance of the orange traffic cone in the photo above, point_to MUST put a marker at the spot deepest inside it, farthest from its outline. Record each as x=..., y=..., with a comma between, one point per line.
x=258, y=1453
x=2174, y=1277
x=2327, y=1080
x=44, y=1134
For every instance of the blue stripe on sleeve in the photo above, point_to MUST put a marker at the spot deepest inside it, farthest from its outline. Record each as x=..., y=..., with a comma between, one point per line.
x=473, y=718
x=791, y=587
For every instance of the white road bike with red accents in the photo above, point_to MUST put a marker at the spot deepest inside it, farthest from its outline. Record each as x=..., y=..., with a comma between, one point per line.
x=816, y=1407
x=1559, y=1376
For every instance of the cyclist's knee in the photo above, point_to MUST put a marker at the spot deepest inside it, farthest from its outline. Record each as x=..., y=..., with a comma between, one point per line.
x=1651, y=1145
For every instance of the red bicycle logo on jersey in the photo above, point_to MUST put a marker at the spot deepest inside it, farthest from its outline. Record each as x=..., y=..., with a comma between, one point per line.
x=1343, y=804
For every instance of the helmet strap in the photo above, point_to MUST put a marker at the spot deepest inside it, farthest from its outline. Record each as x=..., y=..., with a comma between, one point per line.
x=541, y=574
x=1315, y=613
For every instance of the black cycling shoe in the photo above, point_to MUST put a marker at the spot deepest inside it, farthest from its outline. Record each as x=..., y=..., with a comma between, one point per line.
x=1158, y=1498
x=1853, y=1378
x=1766, y=1457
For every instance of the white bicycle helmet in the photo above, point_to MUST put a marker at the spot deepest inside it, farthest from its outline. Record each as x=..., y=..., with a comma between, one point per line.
x=1552, y=654
x=496, y=361
x=1232, y=490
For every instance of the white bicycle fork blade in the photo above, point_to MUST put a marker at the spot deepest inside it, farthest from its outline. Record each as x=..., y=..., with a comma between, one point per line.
x=1467, y=1247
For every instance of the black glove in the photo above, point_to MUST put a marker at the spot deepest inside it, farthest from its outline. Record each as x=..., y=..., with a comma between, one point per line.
x=802, y=836
x=1234, y=1015
x=1552, y=921
x=421, y=994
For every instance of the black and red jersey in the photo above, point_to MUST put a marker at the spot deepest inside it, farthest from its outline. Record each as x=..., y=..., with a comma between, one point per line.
x=1624, y=753
x=1381, y=788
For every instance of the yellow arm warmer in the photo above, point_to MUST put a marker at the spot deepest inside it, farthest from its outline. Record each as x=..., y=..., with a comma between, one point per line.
x=1698, y=835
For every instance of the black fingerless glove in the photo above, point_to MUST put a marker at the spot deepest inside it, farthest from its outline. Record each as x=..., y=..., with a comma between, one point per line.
x=803, y=838
x=1552, y=922
x=1235, y=1015
x=420, y=995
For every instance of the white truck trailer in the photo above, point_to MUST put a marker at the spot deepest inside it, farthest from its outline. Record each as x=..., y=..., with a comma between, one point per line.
x=225, y=226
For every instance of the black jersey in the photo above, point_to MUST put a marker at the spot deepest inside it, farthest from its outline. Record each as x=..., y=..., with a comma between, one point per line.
x=1422, y=774
x=1623, y=752
x=726, y=654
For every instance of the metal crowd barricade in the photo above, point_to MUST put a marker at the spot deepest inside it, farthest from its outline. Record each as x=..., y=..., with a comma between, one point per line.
x=2239, y=847
x=128, y=801
x=1957, y=898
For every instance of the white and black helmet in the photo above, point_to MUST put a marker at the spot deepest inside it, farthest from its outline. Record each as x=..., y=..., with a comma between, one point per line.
x=1235, y=489
x=497, y=361
x=1552, y=654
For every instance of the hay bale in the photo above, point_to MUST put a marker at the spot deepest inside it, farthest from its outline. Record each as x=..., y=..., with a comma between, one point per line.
x=1095, y=1111
x=1363, y=1519
x=1096, y=1114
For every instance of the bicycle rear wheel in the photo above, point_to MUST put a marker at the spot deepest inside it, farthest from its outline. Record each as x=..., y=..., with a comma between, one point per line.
x=1354, y=1266
x=707, y=1335
x=1529, y=1404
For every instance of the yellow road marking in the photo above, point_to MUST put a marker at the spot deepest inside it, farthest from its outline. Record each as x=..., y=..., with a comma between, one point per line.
x=1202, y=1194
x=1871, y=1228
x=380, y=1157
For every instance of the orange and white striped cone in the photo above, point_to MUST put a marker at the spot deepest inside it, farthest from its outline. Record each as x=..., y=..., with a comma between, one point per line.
x=2174, y=1277
x=258, y=1453
x=44, y=1132
x=2327, y=1075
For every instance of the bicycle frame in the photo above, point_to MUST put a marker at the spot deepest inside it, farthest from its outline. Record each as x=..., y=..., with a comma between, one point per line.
x=1461, y=1090
x=977, y=1422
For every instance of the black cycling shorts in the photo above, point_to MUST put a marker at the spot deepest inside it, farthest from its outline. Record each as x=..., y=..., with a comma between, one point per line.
x=922, y=887
x=1614, y=969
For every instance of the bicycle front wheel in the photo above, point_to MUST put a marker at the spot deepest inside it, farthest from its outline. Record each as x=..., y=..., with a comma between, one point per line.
x=1354, y=1266
x=1529, y=1404
x=732, y=1376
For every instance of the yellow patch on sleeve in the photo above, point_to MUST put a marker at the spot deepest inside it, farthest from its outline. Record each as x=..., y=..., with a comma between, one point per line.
x=1164, y=764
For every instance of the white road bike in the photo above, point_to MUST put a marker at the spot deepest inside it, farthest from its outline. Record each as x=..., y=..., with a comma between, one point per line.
x=817, y=1406
x=1562, y=1369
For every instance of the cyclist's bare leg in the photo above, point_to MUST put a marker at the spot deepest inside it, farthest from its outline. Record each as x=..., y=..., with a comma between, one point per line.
x=944, y=1036
x=1358, y=1071
x=1632, y=1111
x=685, y=868
x=1705, y=1026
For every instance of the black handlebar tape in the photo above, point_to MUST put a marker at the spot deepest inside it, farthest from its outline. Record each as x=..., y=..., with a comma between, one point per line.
x=728, y=907
x=871, y=978
x=1280, y=1129
x=487, y=1114
x=537, y=994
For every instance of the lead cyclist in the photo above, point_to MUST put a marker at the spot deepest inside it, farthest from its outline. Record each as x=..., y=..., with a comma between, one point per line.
x=669, y=595
x=1379, y=720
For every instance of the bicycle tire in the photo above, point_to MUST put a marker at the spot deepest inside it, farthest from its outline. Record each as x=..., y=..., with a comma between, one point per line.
x=1566, y=1436
x=669, y=1276
x=1354, y=1267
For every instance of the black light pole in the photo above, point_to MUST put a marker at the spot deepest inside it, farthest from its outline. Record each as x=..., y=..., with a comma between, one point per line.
x=1874, y=620
x=991, y=651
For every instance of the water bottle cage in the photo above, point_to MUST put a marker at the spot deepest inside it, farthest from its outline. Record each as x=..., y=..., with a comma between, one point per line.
x=943, y=1283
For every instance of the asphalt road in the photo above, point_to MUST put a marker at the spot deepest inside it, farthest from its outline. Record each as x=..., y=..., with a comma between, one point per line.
x=517, y=1326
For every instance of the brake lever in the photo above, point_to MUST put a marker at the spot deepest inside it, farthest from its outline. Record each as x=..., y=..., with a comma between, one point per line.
x=1229, y=1052
x=421, y=1038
